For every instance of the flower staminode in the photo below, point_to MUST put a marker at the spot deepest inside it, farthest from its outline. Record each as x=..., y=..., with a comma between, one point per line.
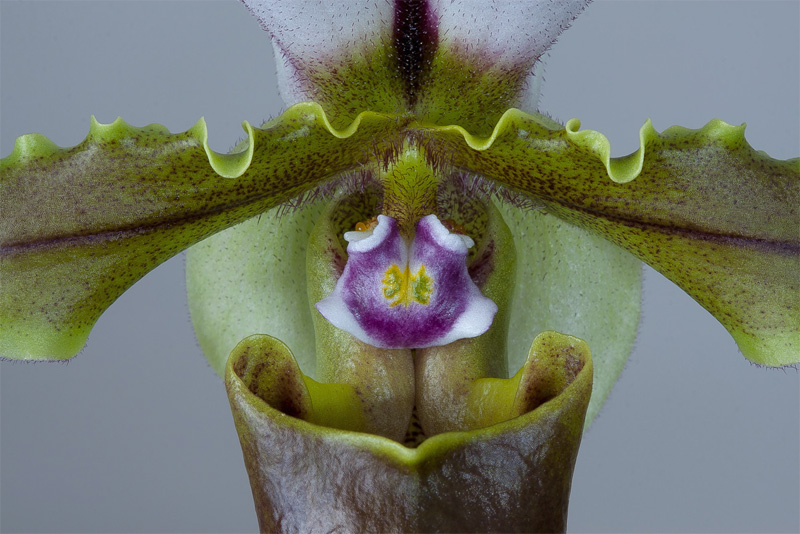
x=400, y=293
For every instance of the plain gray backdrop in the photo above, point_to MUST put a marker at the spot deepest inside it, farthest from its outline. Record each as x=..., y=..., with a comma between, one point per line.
x=135, y=434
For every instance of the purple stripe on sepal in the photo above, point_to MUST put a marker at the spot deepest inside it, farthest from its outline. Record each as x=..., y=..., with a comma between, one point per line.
x=395, y=295
x=415, y=34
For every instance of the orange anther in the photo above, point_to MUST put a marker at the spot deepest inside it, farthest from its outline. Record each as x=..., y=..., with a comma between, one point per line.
x=454, y=227
x=363, y=226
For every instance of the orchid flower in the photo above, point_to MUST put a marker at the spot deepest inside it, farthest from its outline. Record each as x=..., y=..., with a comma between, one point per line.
x=298, y=216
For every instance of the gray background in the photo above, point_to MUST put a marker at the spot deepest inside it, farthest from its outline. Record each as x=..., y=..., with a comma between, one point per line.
x=135, y=433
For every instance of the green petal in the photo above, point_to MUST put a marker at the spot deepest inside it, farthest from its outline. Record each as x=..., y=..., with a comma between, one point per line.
x=80, y=225
x=511, y=476
x=712, y=214
x=570, y=280
x=244, y=280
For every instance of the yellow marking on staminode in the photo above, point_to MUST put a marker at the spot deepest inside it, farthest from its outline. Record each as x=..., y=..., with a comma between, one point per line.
x=404, y=288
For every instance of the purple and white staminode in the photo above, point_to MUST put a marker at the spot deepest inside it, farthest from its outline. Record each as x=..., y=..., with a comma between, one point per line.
x=393, y=294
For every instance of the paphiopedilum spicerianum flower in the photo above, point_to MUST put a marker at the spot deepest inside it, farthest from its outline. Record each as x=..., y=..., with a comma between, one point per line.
x=406, y=86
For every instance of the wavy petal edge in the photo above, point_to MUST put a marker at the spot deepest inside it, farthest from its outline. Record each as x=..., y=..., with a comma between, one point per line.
x=228, y=165
x=620, y=169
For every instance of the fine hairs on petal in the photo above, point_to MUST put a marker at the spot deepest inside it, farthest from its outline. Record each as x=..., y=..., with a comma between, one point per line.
x=361, y=181
x=477, y=186
x=509, y=31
